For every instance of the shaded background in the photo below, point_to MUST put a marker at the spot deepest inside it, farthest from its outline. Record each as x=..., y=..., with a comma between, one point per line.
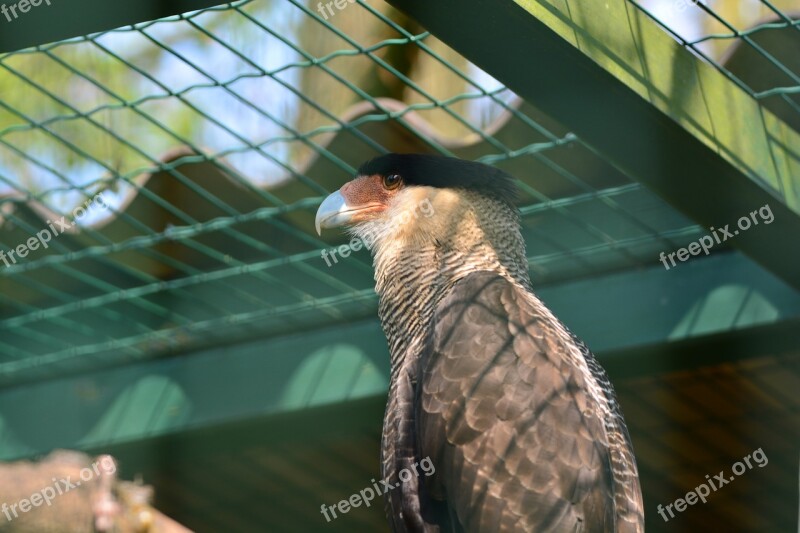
x=193, y=330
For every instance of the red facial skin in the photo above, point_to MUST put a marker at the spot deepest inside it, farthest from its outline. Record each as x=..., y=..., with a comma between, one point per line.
x=367, y=196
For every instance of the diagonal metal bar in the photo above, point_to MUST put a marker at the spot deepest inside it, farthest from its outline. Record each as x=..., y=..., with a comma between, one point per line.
x=617, y=99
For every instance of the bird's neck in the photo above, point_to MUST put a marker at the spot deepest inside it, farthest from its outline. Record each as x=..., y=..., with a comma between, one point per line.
x=412, y=276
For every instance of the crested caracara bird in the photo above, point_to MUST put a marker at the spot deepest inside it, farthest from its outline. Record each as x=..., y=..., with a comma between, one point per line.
x=514, y=412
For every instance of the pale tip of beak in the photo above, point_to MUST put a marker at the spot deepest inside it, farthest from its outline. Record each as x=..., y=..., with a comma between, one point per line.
x=332, y=212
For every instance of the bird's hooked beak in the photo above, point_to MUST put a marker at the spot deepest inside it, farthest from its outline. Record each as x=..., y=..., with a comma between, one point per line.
x=333, y=212
x=357, y=201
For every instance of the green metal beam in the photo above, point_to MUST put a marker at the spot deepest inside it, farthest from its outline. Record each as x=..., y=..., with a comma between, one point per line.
x=703, y=351
x=661, y=115
x=635, y=321
x=54, y=20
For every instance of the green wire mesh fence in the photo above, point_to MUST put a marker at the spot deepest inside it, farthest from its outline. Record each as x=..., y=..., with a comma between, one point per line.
x=768, y=30
x=211, y=137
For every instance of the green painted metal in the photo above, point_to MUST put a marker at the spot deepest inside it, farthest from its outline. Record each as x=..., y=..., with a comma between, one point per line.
x=147, y=241
x=205, y=303
x=770, y=73
x=191, y=264
x=197, y=333
x=631, y=92
x=636, y=321
x=53, y=20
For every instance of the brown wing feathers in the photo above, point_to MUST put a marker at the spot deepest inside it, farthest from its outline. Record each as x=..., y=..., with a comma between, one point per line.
x=505, y=413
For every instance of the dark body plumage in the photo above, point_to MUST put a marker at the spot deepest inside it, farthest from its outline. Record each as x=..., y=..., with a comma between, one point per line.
x=518, y=418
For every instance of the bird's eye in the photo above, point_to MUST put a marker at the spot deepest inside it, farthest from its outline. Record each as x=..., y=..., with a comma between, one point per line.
x=392, y=181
